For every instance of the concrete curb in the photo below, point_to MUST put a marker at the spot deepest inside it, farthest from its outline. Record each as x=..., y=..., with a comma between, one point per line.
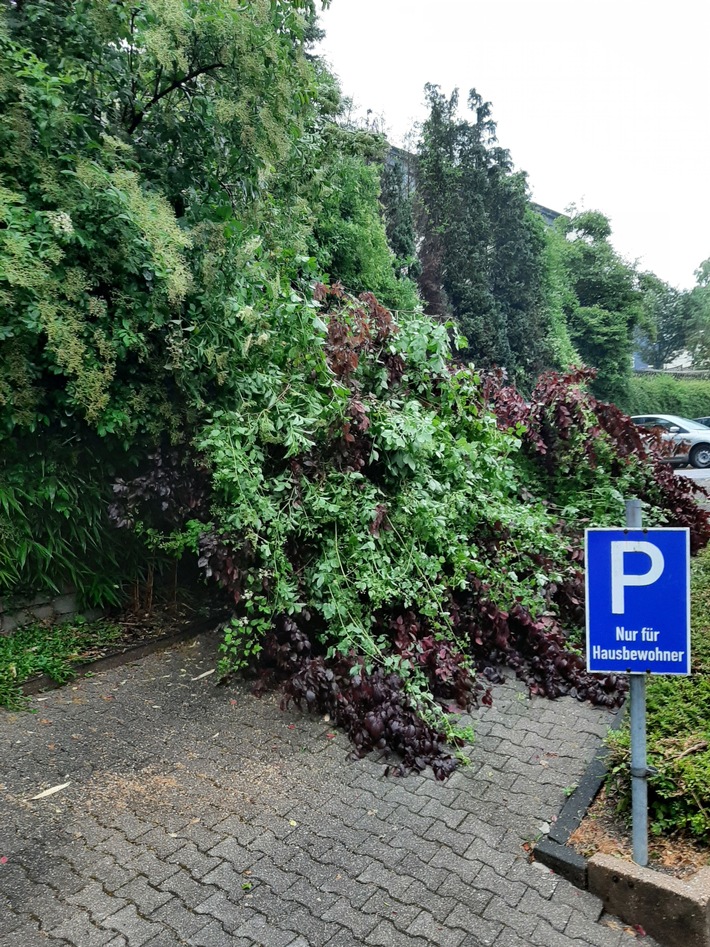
x=673, y=912
x=132, y=653
x=552, y=850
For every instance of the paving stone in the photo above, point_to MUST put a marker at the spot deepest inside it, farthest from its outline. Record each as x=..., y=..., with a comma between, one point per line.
x=426, y=925
x=161, y=842
x=511, y=891
x=135, y=928
x=498, y=911
x=387, y=935
x=212, y=935
x=371, y=860
x=581, y=902
x=556, y=913
x=195, y=861
x=164, y=939
x=545, y=935
x=316, y=931
x=383, y=906
x=190, y=892
x=146, y=898
x=81, y=930
x=264, y=933
x=97, y=902
x=359, y=922
x=234, y=853
x=597, y=934
x=29, y=935
x=509, y=938
x=179, y=919
x=155, y=868
x=111, y=875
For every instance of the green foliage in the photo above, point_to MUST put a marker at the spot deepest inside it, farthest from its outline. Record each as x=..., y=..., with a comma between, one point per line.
x=666, y=331
x=678, y=732
x=39, y=649
x=696, y=307
x=350, y=238
x=482, y=246
x=54, y=528
x=665, y=394
x=603, y=302
x=396, y=197
x=162, y=167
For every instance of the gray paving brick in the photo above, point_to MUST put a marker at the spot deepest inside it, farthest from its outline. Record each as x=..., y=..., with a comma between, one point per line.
x=97, y=902
x=556, y=913
x=597, y=935
x=511, y=891
x=29, y=935
x=264, y=932
x=581, y=902
x=316, y=931
x=358, y=922
x=545, y=935
x=180, y=919
x=190, y=892
x=234, y=853
x=510, y=938
x=164, y=939
x=161, y=842
x=146, y=898
x=195, y=861
x=207, y=847
x=499, y=911
x=212, y=935
x=81, y=930
x=387, y=935
x=435, y=932
x=136, y=929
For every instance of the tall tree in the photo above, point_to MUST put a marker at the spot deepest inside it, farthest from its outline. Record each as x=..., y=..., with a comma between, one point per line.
x=605, y=302
x=697, y=316
x=664, y=335
x=482, y=248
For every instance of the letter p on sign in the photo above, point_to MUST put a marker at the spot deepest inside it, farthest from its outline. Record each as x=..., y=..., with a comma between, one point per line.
x=620, y=579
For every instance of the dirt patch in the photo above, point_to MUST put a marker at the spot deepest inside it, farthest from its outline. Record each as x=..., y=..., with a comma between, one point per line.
x=603, y=831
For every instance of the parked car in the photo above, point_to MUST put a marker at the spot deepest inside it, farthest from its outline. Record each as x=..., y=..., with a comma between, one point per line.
x=691, y=438
x=705, y=421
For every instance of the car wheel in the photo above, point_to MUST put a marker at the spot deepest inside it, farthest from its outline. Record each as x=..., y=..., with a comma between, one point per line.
x=700, y=456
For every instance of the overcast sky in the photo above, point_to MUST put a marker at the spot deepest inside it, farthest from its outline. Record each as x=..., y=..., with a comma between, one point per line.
x=605, y=103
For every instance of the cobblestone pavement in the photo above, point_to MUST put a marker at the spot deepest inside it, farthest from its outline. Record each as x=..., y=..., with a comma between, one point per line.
x=200, y=815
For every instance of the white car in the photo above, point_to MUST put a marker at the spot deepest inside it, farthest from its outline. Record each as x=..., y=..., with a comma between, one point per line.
x=692, y=439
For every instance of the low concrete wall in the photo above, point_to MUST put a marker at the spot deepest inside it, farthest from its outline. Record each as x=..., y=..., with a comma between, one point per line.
x=40, y=608
x=675, y=913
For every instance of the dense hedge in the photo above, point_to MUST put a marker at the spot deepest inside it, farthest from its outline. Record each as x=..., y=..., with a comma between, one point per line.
x=665, y=394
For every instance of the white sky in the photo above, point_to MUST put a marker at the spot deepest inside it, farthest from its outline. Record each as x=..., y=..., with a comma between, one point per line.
x=605, y=103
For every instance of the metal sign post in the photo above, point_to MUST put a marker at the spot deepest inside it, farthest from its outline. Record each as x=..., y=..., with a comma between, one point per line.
x=639, y=769
x=638, y=623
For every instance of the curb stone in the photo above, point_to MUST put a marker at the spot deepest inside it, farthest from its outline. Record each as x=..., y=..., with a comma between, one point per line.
x=552, y=850
x=44, y=682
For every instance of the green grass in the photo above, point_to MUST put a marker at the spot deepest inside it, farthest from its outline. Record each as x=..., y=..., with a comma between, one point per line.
x=678, y=732
x=53, y=650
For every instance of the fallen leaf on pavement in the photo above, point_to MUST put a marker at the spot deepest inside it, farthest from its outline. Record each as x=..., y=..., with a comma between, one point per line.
x=50, y=792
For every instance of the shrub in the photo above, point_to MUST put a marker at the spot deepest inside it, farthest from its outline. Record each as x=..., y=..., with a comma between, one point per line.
x=664, y=394
x=678, y=733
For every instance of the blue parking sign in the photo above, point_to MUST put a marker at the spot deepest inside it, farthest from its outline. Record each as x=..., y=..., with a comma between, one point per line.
x=638, y=600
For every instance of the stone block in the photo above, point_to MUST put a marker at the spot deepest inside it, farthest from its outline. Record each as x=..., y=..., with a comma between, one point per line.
x=65, y=604
x=675, y=913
